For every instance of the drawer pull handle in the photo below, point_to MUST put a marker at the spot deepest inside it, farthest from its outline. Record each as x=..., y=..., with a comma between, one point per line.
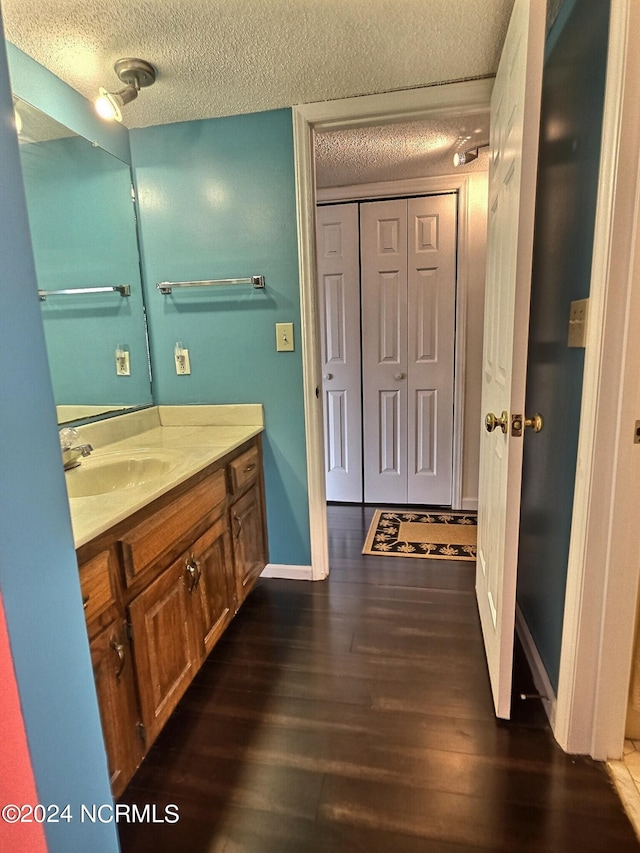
x=85, y=601
x=249, y=467
x=118, y=648
x=238, y=521
x=194, y=571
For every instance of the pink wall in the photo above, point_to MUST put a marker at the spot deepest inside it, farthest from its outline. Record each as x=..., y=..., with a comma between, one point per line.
x=17, y=785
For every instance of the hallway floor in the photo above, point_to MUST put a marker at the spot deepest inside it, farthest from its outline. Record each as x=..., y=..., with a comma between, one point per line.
x=356, y=715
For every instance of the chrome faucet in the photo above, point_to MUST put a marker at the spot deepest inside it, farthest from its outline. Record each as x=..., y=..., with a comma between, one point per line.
x=72, y=453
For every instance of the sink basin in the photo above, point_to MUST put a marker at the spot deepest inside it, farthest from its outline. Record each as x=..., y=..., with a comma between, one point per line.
x=111, y=472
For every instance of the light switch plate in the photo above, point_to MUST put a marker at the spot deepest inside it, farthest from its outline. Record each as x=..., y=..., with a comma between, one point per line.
x=578, y=323
x=284, y=337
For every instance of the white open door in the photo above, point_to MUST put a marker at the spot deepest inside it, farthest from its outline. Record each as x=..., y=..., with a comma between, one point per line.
x=515, y=120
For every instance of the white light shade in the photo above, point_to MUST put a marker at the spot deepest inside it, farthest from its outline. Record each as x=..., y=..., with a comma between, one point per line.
x=107, y=105
x=462, y=157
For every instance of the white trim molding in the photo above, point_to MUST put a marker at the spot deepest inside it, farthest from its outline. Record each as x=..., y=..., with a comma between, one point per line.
x=281, y=570
x=603, y=567
x=310, y=341
x=432, y=101
x=388, y=189
x=537, y=667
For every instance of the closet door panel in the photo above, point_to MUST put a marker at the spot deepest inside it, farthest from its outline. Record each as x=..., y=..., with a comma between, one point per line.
x=431, y=284
x=337, y=237
x=383, y=235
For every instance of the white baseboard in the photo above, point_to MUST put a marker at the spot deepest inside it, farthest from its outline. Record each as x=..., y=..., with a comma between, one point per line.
x=470, y=504
x=296, y=573
x=538, y=671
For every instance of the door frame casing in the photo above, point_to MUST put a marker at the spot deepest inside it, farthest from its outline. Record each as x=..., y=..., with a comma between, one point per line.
x=604, y=565
x=437, y=185
x=429, y=102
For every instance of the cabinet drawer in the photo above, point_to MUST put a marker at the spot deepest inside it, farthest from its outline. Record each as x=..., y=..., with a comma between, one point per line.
x=168, y=529
x=244, y=469
x=97, y=585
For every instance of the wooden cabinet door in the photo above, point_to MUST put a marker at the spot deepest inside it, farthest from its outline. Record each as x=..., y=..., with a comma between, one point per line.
x=247, y=524
x=113, y=672
x=211, y=561
x=164, y=644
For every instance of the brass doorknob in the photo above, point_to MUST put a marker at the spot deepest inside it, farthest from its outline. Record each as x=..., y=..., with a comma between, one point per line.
x=492, y=421
x=518, y=423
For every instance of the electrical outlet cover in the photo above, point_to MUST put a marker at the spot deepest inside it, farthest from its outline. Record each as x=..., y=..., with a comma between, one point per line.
x=183, y=366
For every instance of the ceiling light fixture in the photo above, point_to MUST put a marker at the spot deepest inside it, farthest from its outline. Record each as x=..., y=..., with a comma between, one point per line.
x=460, y=158
x=136, y=74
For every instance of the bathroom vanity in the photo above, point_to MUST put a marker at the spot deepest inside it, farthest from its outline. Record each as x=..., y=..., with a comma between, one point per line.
x=165, y=560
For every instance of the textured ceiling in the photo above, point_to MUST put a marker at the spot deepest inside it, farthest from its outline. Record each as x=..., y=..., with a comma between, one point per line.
x=416, y=149
x=223, y=57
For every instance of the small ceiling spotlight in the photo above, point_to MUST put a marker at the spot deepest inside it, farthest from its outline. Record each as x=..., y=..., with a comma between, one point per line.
x=460, y=158
x=136, y=74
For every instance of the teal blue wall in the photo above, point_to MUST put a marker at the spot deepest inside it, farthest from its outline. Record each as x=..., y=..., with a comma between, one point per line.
x=572, y=100
x=38, y=570
x=217, y=200
x=83, y=233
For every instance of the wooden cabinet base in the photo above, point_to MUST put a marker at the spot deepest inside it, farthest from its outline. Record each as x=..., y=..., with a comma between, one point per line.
x=167, y=583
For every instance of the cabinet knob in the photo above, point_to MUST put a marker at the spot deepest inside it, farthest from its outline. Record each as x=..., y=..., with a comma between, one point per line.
x=399, y=376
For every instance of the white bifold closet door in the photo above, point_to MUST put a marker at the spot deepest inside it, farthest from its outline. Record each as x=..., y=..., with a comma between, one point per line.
x=408, y=272
x=338, y=250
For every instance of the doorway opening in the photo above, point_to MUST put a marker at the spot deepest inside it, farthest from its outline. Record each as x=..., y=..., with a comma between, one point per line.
x=459, y=99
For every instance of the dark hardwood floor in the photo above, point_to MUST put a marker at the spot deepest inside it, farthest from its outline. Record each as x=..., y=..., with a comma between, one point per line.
x=356, y=715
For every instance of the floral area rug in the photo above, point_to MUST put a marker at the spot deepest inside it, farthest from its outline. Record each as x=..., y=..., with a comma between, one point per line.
x=439, y=535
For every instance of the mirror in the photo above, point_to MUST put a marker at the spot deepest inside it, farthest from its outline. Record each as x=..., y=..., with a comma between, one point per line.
x=83, y=231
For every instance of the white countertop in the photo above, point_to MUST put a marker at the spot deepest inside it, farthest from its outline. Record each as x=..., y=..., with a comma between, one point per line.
x=196, y=436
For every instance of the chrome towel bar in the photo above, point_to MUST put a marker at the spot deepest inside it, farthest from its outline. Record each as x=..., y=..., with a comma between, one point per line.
x=122, y=289
x=167, y=286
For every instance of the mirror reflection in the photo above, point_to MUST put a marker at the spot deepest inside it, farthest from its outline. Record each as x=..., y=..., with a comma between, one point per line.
x=83, y=231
